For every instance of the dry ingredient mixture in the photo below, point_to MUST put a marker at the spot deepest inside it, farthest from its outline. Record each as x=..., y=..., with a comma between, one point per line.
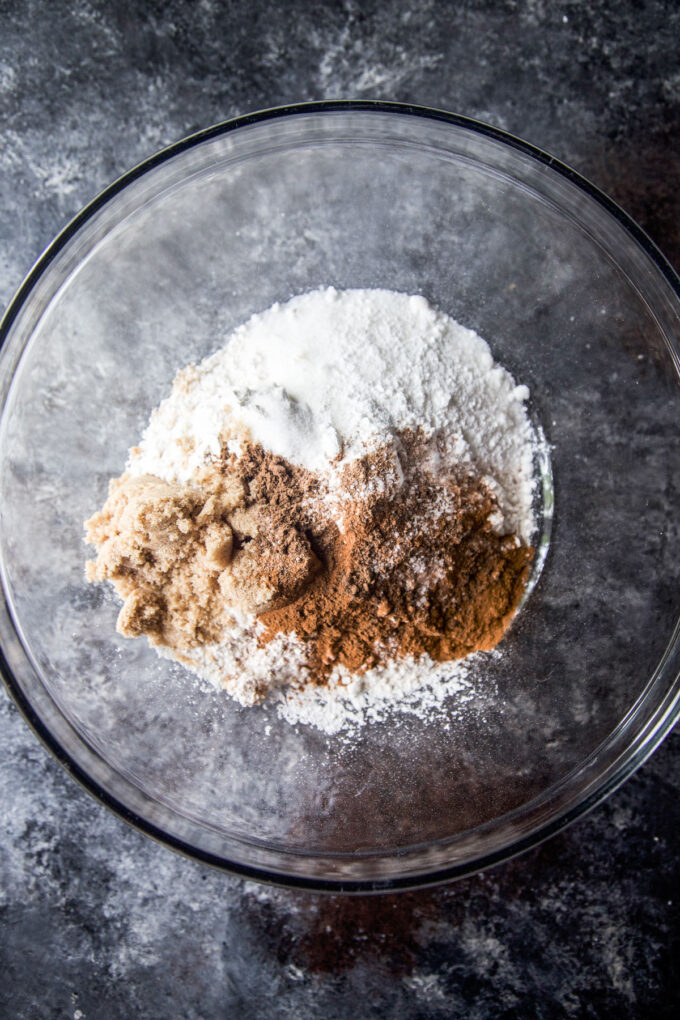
x=334, y=510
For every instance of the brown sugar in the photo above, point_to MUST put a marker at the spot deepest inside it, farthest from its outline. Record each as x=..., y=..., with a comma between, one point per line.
x=164, y=547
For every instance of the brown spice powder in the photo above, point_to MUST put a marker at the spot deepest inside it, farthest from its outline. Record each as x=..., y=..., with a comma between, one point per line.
x=416, y=569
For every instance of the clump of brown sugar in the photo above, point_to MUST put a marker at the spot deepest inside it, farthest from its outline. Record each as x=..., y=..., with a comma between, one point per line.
x=164, y=547
x=185, y=557
x=398, y=558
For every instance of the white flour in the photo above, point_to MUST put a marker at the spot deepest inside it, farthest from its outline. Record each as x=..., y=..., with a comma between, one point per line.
x=335, y=372
x=349, y=701
x=321, y=380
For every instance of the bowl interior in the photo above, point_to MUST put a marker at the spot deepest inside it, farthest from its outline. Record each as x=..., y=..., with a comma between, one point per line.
x=156, y=278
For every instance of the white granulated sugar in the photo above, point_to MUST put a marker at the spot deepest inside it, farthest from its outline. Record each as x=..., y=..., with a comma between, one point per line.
x=333, y=373
x=320, y=381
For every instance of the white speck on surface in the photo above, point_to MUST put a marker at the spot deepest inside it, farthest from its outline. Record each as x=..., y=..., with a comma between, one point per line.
x=8, y=78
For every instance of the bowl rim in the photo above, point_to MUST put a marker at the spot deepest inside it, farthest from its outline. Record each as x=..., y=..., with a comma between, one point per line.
x=665, y=715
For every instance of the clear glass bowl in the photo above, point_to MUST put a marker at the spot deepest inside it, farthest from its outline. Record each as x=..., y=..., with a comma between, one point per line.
x=573, y=299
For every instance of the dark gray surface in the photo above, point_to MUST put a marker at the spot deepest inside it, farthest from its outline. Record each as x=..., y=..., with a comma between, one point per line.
x=95, y=920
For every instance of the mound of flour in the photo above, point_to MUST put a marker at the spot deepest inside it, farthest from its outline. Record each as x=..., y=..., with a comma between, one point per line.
x=330, y=375
x=320, y=381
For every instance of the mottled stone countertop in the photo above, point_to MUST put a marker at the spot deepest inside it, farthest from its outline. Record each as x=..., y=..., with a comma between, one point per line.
x=97, y=921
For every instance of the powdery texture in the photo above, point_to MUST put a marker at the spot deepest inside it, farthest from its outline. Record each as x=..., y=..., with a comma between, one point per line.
x=349, y=701
x=326, y=507
x=330, y=373
x=417, y=567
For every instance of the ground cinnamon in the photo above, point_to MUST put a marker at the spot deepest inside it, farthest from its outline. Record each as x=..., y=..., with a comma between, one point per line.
x=417, y=568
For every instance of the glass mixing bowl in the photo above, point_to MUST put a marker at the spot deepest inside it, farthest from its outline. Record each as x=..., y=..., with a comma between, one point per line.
x=574, y=300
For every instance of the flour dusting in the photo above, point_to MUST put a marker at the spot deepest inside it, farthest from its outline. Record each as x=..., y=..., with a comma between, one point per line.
x=330, y=374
